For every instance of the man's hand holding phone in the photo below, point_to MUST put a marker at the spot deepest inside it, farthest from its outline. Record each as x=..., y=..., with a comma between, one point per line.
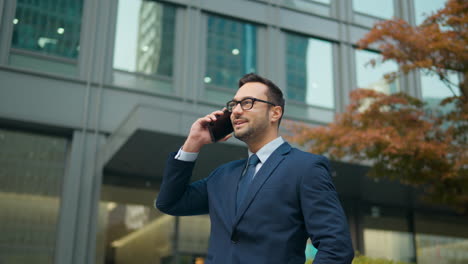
x=202, y=131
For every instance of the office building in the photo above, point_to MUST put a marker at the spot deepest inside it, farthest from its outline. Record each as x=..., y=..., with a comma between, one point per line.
x=95, y=94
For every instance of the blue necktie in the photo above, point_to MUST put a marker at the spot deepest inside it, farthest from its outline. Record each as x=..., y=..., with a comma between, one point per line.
x=246, y=179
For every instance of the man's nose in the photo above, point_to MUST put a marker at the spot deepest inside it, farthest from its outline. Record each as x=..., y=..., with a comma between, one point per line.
x=237, y=109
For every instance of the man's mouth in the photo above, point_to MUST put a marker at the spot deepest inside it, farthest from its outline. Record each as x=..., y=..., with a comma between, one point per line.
x=239, y=122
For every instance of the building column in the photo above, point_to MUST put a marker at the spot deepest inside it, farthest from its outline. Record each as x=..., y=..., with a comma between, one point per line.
x=76, y=238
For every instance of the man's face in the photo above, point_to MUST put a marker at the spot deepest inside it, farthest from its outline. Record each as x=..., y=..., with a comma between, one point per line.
x=250, y=124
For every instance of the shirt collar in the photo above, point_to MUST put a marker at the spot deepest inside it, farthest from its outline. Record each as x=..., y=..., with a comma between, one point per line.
x=264, y=153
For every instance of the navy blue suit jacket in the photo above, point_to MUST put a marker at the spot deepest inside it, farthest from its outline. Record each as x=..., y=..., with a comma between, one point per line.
x=291, y=198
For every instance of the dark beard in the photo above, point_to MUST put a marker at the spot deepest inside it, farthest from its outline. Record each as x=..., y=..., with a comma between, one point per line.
x=246, y=136
x=252, y=132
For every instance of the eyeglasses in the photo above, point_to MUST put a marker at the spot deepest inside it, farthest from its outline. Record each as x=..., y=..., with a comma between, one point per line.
x=246, y=103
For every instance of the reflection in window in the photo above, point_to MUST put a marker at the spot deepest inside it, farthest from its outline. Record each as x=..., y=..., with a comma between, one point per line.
x=131, y=230
x=433, y=249
x=423, y=8
x=380, y=9
x=145, y=36
x=386, y=235
x=373, y=77
x=441, y=241
x=230, y=51
x=48, y=26
x=434, y=90
x=309, y=71
x=31, y=176
x=388, y=244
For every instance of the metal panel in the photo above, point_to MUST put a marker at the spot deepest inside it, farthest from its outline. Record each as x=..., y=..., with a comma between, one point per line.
x=310, y=25
x=90, y=178
x=255, y=12
x=2, y=4
x=347, y=79
x=7, y=13
x=39, y=99
x=69, y=202
x=87, y=39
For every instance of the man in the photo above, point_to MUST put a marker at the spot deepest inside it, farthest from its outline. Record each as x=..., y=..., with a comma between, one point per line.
x=262, y=210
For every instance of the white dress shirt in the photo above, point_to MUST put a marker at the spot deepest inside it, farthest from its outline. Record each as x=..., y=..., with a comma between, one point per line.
x=263, y=154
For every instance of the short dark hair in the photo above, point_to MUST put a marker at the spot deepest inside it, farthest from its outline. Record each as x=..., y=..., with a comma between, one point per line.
x=274, y=94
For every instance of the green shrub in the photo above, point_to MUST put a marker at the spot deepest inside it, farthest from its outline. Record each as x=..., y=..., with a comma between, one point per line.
x=360, y=259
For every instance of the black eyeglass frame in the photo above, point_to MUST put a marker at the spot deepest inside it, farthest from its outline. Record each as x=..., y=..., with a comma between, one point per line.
x=247, y=98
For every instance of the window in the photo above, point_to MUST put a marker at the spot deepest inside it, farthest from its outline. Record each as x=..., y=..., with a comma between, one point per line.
x=386, y=234
x=434, y=90
x=441, y=239
x=309, y=70
x=388, y=244
x=50, y=27
x=424, y=8
x=145, y=37
x=31, y=175
x=230, y=51
x=380, y=9
x=131, y=230
x=373, y=77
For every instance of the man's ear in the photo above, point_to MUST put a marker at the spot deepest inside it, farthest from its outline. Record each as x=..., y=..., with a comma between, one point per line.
x=277, y=112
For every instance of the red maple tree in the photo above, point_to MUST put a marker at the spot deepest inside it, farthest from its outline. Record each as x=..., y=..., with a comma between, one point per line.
x=438, y=46
x=395, y=132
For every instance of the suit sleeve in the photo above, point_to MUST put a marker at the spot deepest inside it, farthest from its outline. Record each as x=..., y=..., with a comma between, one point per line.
x=177, y=196
x=323, y=215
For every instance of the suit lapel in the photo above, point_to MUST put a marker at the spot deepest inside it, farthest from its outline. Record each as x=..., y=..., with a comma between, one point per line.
x=262, y=175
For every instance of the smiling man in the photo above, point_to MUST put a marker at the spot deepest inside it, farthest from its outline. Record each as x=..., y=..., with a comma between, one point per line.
x=263, y=208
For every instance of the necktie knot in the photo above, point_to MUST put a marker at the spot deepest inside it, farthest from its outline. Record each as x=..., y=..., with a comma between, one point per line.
x=253, y=160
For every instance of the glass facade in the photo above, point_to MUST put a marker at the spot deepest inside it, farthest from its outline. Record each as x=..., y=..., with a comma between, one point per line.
x=436, y=249
x=141, y=83
x=441, y=240
x=230, y=51
x=145, y=37
x=50, y=27
x=388, y=244
x=423, y=8
x=131, y=231
x=434, y=90
x=373, y=77
x=309, y=71
x=31, y=175
x=380, y=9
x=387, y=235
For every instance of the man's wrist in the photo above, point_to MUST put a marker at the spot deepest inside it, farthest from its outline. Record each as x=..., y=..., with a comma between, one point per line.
x=186, y=156
x=191, y=146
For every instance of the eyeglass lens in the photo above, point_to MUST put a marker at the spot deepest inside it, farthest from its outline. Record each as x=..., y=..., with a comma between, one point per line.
x=246, y=104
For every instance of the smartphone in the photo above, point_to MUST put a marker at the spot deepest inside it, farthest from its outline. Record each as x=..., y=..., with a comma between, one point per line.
x=221, y=127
